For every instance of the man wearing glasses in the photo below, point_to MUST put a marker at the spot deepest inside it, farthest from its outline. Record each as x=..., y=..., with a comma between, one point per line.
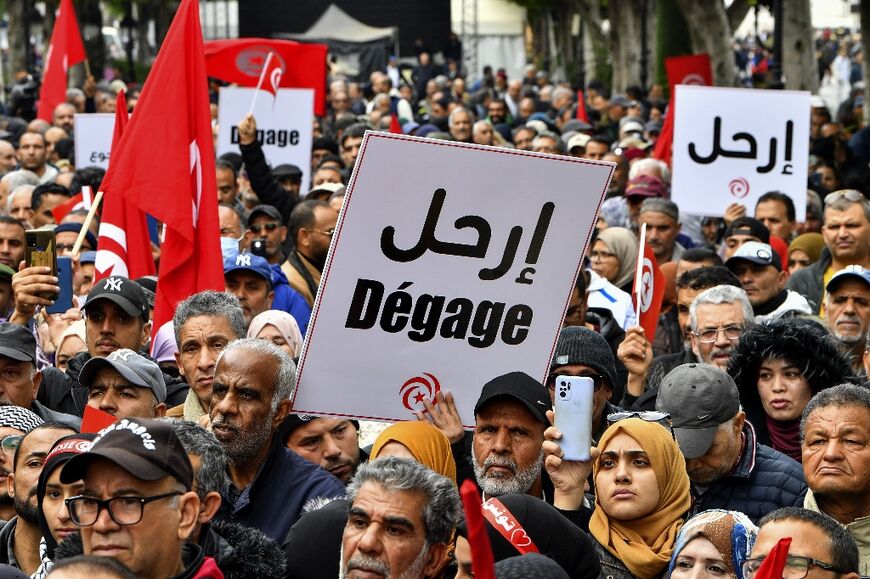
x=718, y=318
x=846, y=231
x=820, y=548
x=312, y=224
x=137, y=506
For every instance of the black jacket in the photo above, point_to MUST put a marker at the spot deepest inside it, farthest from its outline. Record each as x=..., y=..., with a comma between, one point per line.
x=7, y=557
x=62, y=392
x=605, y=324
x=263, y=183
x=809, y=281
x=242, y=552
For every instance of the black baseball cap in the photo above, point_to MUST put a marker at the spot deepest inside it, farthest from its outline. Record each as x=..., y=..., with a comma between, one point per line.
x=522, y=387
x=124, y=292
x=17, y=342
x=748, y=226
x=287, y=171
x=147, y=449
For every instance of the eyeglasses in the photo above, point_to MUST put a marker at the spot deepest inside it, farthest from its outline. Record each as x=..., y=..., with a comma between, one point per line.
x=660, y=418
x=271, y=226
x=847, y=194
x=796, y=567
x=84, y=511
x=601, y=255
x=709, y=335
x=328, y=233
x=10, y=443
x=598, y=380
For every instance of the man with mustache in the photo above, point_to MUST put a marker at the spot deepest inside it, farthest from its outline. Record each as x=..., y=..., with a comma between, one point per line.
x=15, y=422
x=847, y=312
x=19, y=539
x=728, y=468
x=718, y=317
x=662, y=219
x=759, y=269
x=330, y=442
x=250, y=398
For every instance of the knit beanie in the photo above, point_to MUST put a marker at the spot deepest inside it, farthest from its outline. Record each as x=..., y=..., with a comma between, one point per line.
x=579, y=345
x=531, y=566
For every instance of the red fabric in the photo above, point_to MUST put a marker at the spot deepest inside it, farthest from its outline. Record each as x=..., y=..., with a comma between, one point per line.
x=272, y=73
x=175, y=182
x=482, y=561
x=781, y=249
x=694, y=69
x=664, y=148
x=123, y=247
x=241, y=60
x=209, y=570
x=64, y=50
x=650, y=275
x=75, y=202
x=774, y=562
x=94, y=419
x=581, y=114
x=395, y=125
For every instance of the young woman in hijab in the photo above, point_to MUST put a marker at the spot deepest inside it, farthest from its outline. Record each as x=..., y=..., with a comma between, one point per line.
x=804, y=250
x=418, y=441
x=712, y=545
x=614, y=257
x=778, y=368
x=280, y=328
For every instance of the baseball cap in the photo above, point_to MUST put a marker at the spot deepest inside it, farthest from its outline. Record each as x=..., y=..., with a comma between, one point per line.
x=645, y=186
x=748, y=226
x=699, y=397
x=324, y=191
x=124, y=292
x=287, y=171
x=147, y=449
x=522, y=387
x=138, y=369
x=77, y=228
x=631, y=127
x=848, y=272
x=17, y=342
x=267, y=210
x=576, y=125
x=755, y=252
x=88, y=257
x=234, y=261
x=578, y=140
x=581, y=346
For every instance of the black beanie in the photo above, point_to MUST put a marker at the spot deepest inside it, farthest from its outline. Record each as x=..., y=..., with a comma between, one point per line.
x=579, y=345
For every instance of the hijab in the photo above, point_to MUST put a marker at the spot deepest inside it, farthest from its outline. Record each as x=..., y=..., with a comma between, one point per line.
x=428, y=445
x=645, y=545
x=623, y=244
x=731, y=532
x=284, y=323
x=810, y=243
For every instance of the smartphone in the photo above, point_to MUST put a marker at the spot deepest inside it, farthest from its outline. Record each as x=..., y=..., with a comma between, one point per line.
x=40, y=251
x=64, y=300
x=573, y=409
x=258, y=246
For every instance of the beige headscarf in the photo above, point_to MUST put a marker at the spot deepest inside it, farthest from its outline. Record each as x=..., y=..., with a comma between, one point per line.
x=623, y=244
x=284, y=323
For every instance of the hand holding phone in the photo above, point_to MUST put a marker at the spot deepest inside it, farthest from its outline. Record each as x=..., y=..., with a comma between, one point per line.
x=573, y=410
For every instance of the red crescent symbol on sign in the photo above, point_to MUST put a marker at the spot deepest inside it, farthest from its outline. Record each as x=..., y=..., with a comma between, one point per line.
x=417, y=389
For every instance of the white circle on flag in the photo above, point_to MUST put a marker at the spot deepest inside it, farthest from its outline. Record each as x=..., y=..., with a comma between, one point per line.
x=647, y=285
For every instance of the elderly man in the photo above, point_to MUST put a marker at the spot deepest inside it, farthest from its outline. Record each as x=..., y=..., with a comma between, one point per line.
x=719, y=316
x=459, y=124
x=250, y=398
x=776, y=211
x=847, y=312
x=819, y=549
x=125, y=385
x=847, y=242
x=835, y=451
x=137, y=506
x=331, y=443
x=662, y=219
x=204, y=324
x=482, y=133
x=728, y=468
x=15, y=422
x=20, y=537
x=510, y=419
x=759, y=269
x=400, y=521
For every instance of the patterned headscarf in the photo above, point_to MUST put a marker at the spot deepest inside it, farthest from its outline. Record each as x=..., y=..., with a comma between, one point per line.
x=731, y=532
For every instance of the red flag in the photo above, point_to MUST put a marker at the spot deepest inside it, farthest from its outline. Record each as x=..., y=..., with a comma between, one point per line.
x=123, y=247
x=482, y=560
x=94, y=419
x=581, y=114
x=649, y=286
x=395, y=125
x=270, y=79
x=694, y=69
x=175, y=181
x=774, y=562
x=64, y=50
x=664, y=149
x=240, y=61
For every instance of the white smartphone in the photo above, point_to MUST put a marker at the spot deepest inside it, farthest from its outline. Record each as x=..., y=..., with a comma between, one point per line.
x=573, y=408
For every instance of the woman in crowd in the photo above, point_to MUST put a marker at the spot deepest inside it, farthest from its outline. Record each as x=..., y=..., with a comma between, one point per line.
x=778, y=367
x=418, y=441
x=72, y=341
x=804, y=250
x=712, y=545
x=614, y=257
x=280, y=328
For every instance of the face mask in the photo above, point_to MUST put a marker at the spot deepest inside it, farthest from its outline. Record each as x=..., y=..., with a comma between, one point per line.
x=229, y=246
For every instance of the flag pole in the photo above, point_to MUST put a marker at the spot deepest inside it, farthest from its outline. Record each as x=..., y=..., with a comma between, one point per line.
x=260, y=82
x=639, y=275
x=86, y=224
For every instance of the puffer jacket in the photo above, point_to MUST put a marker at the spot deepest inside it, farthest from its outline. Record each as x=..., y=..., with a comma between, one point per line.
x=242, y=552
x=763, y=480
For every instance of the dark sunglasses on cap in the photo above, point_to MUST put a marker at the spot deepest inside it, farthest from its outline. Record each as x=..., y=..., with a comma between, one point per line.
x=598, y=380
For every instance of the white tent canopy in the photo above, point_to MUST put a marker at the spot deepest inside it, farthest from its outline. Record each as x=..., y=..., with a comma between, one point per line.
x=336, y=24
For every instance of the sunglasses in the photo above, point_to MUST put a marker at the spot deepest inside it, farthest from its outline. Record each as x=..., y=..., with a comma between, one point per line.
x=598, y=380
x=847, y=194
x=660, y=418
x=271, y=226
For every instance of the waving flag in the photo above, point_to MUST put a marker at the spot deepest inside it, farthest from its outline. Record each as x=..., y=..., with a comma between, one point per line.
x=64, y=50
x=694, y=69
x=649, y=284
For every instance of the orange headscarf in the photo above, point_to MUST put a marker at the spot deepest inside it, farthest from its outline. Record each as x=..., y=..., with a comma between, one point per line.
x=645, y=545
x=428, y=445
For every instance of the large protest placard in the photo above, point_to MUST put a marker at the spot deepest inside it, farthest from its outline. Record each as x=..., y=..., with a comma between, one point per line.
x=451, y=264
x=93, y=139
x=734, y=145
x=284, y=125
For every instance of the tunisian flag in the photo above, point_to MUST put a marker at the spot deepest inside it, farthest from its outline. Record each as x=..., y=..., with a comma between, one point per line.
x=240, y=61
x=123, y=247
x=164, y=165
x=649, y=286
x=64, y=50
x=694, y=69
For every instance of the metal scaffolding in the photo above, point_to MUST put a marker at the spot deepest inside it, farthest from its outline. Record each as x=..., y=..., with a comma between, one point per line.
x=469, y=37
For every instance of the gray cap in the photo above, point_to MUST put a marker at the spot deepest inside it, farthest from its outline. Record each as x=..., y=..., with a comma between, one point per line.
x=138, y=369
x=699, y=398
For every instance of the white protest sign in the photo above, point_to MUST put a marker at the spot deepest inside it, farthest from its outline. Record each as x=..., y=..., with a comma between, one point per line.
x=734, y=145
x=452, y=264
x=284, y=125
x=93, y=139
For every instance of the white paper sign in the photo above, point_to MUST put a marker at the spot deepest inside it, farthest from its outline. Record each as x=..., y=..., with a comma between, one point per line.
x=284, y=125
x=452, y=264
x=93, y=139
x=734, y=145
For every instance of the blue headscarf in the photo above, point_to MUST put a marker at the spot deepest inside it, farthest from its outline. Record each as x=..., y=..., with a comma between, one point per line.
x=731, y=532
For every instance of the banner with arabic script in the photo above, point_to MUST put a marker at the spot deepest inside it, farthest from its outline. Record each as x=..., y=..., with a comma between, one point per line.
x=734, y=145
x=451, y=264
